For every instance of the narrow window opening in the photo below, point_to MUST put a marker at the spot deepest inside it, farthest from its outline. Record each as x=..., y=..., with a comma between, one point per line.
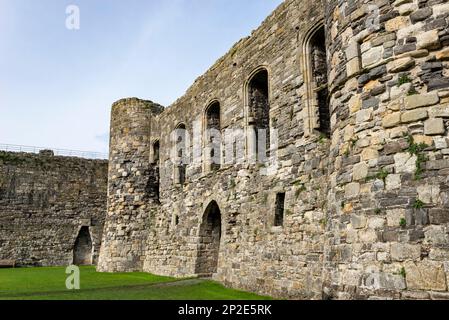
x=213, y=136
x=182, y=174
x=319, y=74
x=156, y=152
x=280, y=210
x=181, y=154
x=259, y=109
x=154, y=181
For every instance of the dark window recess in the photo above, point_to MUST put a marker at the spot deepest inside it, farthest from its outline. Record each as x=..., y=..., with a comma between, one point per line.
x=319, y=72
x=181, y=148
x=158, y=181
x=152, y=185
x=154, y=182
x=182, y=174
x=259, y=106
x=156, y=151
x=213, y=122
x=280, y=210
x=324, y=111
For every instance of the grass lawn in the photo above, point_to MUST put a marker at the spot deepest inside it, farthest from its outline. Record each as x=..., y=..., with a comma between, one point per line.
x=49, y=284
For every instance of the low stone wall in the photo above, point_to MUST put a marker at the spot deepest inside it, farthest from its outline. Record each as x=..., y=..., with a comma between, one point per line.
x=44, y=203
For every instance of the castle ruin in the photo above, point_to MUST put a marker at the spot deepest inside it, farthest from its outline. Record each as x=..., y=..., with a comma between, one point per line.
x=311, y=161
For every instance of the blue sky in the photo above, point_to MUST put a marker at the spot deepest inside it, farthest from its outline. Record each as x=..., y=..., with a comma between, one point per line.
x=57, y=85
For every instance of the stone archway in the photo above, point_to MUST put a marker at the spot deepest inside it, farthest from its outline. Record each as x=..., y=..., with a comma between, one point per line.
x=82, y=251
x=209, y=241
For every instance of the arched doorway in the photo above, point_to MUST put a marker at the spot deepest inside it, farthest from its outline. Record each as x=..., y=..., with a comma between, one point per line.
x=82, y=251
x=209, y=241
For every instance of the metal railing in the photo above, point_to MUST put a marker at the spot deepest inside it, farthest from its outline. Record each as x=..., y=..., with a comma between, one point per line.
x=56, y=152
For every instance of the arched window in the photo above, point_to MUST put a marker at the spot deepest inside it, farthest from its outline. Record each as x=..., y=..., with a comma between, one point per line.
x=259, y=112
x=316, y=82
x=213, y=136
x=181, y=154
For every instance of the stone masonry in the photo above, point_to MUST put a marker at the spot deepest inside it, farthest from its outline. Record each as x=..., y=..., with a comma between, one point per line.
x=352, y=202
x=52, y=209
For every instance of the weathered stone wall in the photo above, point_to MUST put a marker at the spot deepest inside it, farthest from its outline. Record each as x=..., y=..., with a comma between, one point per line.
x=44, y=203
x=254, y=254
x=365, y=212
x=389, y=188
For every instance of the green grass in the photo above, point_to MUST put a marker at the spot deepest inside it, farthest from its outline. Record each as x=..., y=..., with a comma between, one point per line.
x=49, y=284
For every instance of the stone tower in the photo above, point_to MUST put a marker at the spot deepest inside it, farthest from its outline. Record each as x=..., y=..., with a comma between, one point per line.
x=389, y=89
x=133, y=186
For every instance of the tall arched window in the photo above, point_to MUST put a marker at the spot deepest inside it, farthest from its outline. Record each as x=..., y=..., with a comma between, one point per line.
x=316, y=81
x=213, y=136
x=259, y=112
x=181, y=154
x=319, y=70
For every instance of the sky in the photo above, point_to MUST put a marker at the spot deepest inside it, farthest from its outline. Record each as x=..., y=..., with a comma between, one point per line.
x=57, y=84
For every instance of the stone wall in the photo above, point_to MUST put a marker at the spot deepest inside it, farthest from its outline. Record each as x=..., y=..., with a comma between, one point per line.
x=44, y=203
x=254, y=254
x=389, y=187
x=365, y=212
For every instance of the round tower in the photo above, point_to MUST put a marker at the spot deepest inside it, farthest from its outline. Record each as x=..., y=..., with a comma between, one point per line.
x=388, y=231
x=132, y=186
